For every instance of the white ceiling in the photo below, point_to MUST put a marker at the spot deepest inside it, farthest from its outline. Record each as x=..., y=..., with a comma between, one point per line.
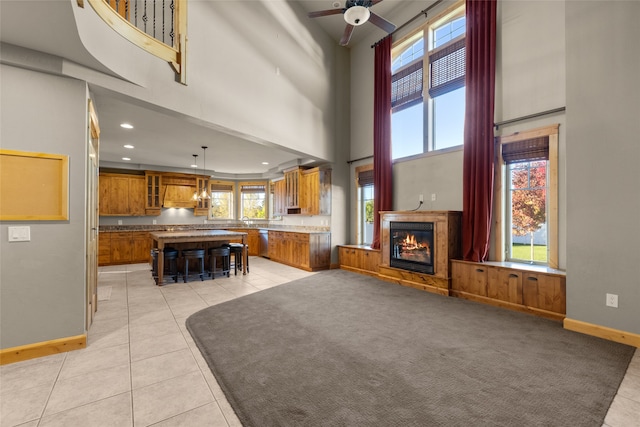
x=162, y=141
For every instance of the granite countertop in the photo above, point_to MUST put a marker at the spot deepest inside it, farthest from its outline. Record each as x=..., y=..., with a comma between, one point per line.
x=202, y=227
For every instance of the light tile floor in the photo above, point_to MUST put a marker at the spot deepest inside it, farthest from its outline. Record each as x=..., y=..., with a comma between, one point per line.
x=141, y=366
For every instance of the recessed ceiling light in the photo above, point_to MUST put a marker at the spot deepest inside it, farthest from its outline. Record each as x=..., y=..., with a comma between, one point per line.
x=126, y=158
x=265, y=163
x=129, y=146
x=126, y=126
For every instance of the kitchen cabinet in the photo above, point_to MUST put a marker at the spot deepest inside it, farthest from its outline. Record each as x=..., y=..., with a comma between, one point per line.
x=122, y=195
x=303, y=191
x=292, y=183
x=315, y=192
x=104, y=248
x=359, y=259
x=532, y=289
x=202, y=205
x=123, y=247
x=253, y=239
x=153, y=205
x=308, y=251
x=279, y=197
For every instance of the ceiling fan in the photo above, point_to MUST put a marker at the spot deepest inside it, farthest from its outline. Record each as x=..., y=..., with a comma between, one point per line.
x=356, y=12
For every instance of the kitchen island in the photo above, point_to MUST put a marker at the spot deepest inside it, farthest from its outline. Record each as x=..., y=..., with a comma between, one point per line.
x=161, y=239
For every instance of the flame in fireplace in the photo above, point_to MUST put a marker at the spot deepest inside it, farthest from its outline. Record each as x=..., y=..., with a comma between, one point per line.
x=411, y=244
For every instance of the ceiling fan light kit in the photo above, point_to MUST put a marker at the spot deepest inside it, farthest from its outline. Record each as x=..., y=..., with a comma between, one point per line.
x=356, y=13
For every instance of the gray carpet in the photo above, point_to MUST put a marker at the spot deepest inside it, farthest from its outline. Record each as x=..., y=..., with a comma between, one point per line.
x=342, y=349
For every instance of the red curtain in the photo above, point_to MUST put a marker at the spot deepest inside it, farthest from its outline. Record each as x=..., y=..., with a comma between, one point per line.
x=478, y=163
x=382, y=166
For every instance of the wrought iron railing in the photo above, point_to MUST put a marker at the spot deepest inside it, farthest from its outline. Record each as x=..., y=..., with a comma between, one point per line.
x=158, y=26
x=154, y=17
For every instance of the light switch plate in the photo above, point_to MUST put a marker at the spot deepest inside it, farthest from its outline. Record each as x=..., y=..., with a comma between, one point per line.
x=19, y=234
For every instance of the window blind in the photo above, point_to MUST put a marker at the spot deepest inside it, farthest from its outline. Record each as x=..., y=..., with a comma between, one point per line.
x=406, y=87
x=527, y=150
x=253, y=188
x=217, y=187
x=365, y=178
x=447, y=68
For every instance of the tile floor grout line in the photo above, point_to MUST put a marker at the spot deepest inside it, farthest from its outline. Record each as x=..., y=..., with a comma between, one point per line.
x=53, y=386
x=126, y=290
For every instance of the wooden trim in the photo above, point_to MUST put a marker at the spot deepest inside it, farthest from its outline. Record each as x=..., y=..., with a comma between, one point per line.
x=42, y=191
x=93, y=122
x=41, y=349
x=508, y=305
x=604, y=332
x=174, y=55
x=530, y=134
x=500, y=184
x=552, y=209
x=359, y=214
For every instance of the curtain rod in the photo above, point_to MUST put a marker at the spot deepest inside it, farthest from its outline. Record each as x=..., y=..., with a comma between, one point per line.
x=530, y=116
x=361, y=158
x=422, y=12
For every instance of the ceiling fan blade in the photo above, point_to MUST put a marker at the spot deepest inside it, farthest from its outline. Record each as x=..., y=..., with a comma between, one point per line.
x=374, y=2
x=325, y=13
x=382, y=23
x=347, y=35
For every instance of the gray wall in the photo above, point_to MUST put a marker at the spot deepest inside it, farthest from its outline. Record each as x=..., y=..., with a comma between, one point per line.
x=42, y=282
x=584, y=58
x=603, y=152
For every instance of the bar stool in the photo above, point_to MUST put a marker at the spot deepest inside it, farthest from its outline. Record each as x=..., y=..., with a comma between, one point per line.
x=236, y=250
x=193, y=254
x=215, y=254
x=170, y=264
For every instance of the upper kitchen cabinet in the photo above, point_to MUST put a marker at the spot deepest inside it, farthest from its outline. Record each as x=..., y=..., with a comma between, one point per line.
x=303, y=191
x=122, y=195
x=292, y=183
x=203, y=203
x=153, y=205
x=315, y=192
x=279, y=190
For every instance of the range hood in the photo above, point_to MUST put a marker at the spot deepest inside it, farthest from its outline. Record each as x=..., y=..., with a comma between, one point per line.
x=178, y=196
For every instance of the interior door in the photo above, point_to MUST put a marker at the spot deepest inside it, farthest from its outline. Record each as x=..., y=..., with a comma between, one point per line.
x=92, y=216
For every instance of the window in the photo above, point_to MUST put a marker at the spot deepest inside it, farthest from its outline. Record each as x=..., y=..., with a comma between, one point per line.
x=253, y=197
x=364, y=203
x=221, y=199
x=527, y=213
x=432, y=120
x=529, y=220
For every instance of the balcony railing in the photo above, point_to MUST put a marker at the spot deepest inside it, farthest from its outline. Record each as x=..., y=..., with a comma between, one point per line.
x=157, y=26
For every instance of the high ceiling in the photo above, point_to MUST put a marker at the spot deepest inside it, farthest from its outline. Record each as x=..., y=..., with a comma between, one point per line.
x=163, y=140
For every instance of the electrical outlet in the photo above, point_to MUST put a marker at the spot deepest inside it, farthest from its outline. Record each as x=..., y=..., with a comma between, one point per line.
x=155, y=222
x=612, y=300
x=421, y=199
x=119, y=222
x=433, y=197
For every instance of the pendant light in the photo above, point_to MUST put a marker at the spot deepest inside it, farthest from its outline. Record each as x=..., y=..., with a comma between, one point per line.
x=204, y=194
x=195, y=196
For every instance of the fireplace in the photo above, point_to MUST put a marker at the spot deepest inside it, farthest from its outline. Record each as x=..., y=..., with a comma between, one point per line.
x=411, y=245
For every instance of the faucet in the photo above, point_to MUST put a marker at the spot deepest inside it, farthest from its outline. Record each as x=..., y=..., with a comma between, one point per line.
x=246, y=221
